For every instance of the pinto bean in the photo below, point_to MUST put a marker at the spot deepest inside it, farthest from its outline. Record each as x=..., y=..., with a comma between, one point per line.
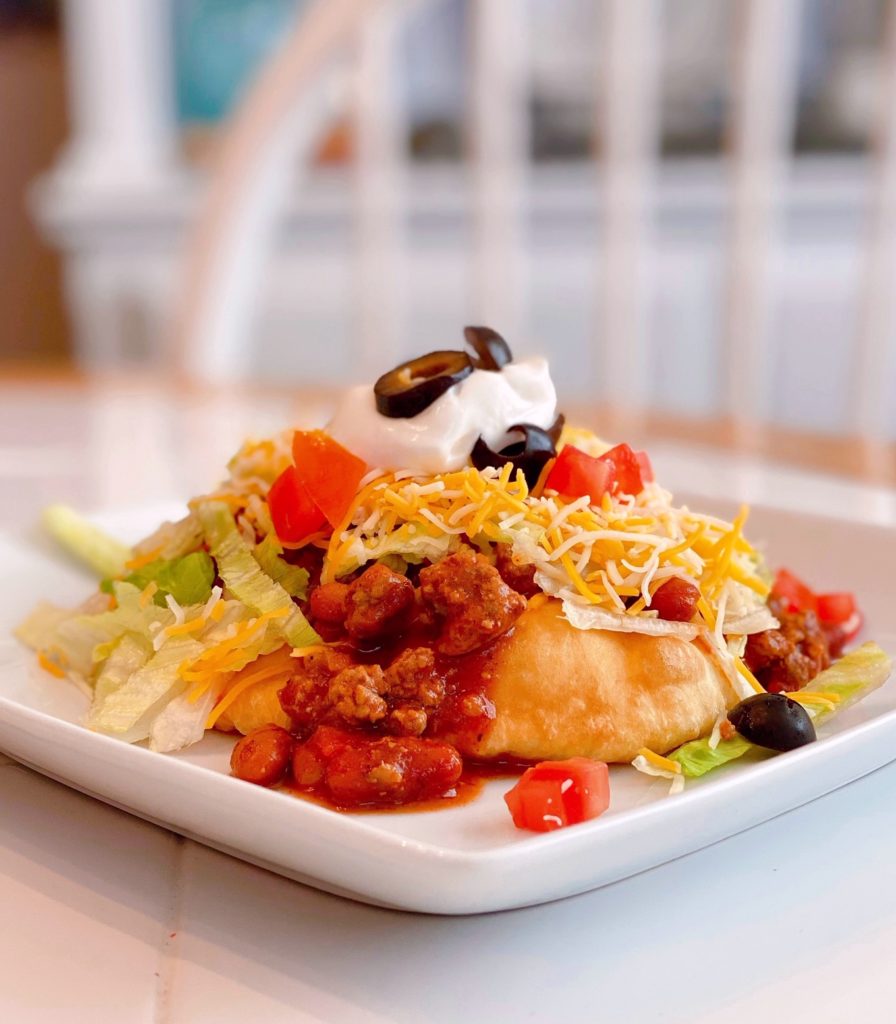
x=329, y=603
x=262, y=756
x=379, y=603
x=676, y=600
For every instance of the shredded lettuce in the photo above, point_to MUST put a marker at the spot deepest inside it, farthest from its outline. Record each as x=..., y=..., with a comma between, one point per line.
x=172, y=540
x=292, y=578
x=245, y=578
x=187, y=579
x=86, y=542
x=261, y=641
x=125, y=656
x=181, y=722
x=128, y=712
x=852, y=678
x=396, y=563
x=42, y=622
x=697, y=757
x=142, y=693
x=264, y=460
x=413, y=548
x=78, y=641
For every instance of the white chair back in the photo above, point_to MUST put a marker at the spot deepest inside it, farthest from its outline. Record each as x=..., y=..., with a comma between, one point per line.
x=299, y=92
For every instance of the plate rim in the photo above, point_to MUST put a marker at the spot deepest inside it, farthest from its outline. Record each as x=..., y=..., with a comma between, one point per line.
x=706, y=792
x=846, y=755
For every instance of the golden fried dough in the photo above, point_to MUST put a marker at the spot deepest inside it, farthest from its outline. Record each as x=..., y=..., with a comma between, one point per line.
x=559, y=692
x=258, y=705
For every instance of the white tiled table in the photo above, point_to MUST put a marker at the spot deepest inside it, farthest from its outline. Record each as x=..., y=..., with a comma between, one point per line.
x=104, y=918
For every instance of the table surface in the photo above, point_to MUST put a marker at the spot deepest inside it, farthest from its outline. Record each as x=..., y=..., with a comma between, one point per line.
x=109, y=919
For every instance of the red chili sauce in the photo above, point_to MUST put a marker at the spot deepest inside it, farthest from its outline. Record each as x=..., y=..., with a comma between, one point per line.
x=364, y=767
x=380, y=715
x=472, y=781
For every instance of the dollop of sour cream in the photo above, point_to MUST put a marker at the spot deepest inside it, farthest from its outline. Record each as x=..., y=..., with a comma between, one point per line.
x=439, y=439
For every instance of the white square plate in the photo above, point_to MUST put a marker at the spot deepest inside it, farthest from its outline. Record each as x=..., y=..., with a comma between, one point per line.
x=468, y=859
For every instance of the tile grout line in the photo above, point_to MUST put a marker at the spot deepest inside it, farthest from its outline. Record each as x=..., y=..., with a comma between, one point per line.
x=171, y=921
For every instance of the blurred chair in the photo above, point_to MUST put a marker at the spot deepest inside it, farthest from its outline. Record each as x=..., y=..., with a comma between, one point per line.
x=299, y=92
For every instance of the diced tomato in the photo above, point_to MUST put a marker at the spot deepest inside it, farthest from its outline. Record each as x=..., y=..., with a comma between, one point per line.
x=575, y=473
x=627, y=468
x=647, y=474
x=853, y=626
x=329, y=472
x=293, y=513
x=839, y=614
x=790, y=588
x=841, y=634
x=835, y=608
x=554, y=794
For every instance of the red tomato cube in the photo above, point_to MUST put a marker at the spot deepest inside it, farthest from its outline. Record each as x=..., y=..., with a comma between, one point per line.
x=647, y=474
x=797, y=595
x=836, y=608
x=293, y=513
x=575, y=474
x=554, y=794
x=329, y=473
x=627, y=468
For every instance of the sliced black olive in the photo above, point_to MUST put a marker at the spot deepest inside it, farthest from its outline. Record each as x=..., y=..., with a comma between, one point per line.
x=492, y=351
x=412, y=387
x=528, y=454
x=556, y=428
x=774, y=721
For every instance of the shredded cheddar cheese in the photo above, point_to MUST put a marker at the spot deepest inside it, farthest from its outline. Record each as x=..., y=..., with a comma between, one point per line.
x=613, y=556
x=140, y=561
x=824, y=701
x=650, y=763
x=215, y=664
x=49, y=666
x=271, y=666
x=753, y=682
x=303, y=652
x=658, y=761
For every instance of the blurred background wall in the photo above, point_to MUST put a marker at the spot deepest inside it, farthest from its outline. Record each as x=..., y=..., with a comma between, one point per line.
x=149, y=83
x=33, y=321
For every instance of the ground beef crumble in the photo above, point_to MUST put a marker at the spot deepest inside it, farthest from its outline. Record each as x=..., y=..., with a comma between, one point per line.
x=473, y=601
x=790, y=657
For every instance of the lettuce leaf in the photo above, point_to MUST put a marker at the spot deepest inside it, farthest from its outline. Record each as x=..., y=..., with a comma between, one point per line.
x=42, y=622
x=292, y=578
x=411, y=548
x=697, y=757
x=181, y=723
x=245, y=578
x=187, y=579
x=127, y=654
x=173, y=540
x=395, y=562
x=128, y=711
x=86, y=542
x=79, y=641
x=852, y=678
